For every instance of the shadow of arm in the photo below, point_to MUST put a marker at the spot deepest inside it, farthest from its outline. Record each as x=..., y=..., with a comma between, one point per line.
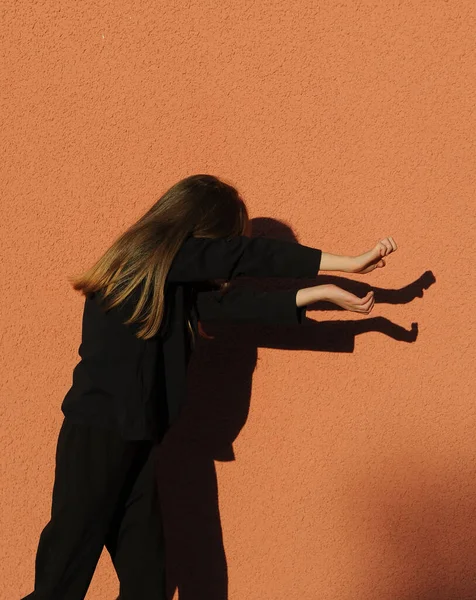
x=323, y=336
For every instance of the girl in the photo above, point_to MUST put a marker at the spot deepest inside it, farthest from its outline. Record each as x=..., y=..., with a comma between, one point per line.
x=144, y=299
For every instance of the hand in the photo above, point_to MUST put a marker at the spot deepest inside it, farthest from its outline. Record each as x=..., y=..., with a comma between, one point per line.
x=349, y=301
x=333, y=293
x=373, y=258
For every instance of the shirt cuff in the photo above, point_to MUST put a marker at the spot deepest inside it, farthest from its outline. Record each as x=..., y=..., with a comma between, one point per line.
x=286, y=309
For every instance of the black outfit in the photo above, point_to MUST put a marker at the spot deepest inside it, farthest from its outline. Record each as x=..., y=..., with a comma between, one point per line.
x=104, y=494
x=125, y=394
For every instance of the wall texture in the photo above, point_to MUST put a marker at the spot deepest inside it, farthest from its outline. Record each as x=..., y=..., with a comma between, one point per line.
x=353, y=476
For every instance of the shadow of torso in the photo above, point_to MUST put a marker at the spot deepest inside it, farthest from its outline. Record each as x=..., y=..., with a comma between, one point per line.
x=219, y=392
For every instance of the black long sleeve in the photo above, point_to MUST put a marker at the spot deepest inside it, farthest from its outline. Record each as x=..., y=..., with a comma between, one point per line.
x=247, y=305
x=202, y=259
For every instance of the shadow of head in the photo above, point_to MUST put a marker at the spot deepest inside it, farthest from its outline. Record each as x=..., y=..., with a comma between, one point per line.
x=267, y=227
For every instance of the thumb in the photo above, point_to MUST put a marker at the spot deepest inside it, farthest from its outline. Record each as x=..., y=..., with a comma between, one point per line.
x=379, y=249
x=381, y=263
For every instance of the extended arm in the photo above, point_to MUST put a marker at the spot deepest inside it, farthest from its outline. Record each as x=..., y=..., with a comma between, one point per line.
x=280, y=307
x=202, y=259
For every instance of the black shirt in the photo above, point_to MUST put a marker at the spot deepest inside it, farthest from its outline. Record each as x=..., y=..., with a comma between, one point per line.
x=123, y=382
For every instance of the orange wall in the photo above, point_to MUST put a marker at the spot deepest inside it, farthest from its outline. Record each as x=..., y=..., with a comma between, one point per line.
x=354, y=475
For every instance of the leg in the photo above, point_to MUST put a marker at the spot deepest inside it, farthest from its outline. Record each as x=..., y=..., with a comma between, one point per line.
x=91, y=467
x=135, y=539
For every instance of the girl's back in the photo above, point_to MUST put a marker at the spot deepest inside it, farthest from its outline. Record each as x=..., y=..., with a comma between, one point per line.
x=114, y=384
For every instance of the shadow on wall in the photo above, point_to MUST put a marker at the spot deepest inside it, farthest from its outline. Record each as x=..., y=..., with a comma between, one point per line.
x=219, y=383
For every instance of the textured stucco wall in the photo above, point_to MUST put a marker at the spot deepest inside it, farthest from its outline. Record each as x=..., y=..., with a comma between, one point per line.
x=354, y=475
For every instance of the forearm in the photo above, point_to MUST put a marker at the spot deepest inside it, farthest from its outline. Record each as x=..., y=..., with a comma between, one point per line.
x=336, y=262
x=309, y=295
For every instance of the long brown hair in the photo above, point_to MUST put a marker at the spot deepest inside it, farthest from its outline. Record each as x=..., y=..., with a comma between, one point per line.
x=200, y=205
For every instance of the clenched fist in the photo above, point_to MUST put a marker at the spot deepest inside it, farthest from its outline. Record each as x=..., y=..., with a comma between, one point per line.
x=373, y=259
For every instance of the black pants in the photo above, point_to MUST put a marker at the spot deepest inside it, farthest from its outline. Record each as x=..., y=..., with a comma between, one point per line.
x=104, y=494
